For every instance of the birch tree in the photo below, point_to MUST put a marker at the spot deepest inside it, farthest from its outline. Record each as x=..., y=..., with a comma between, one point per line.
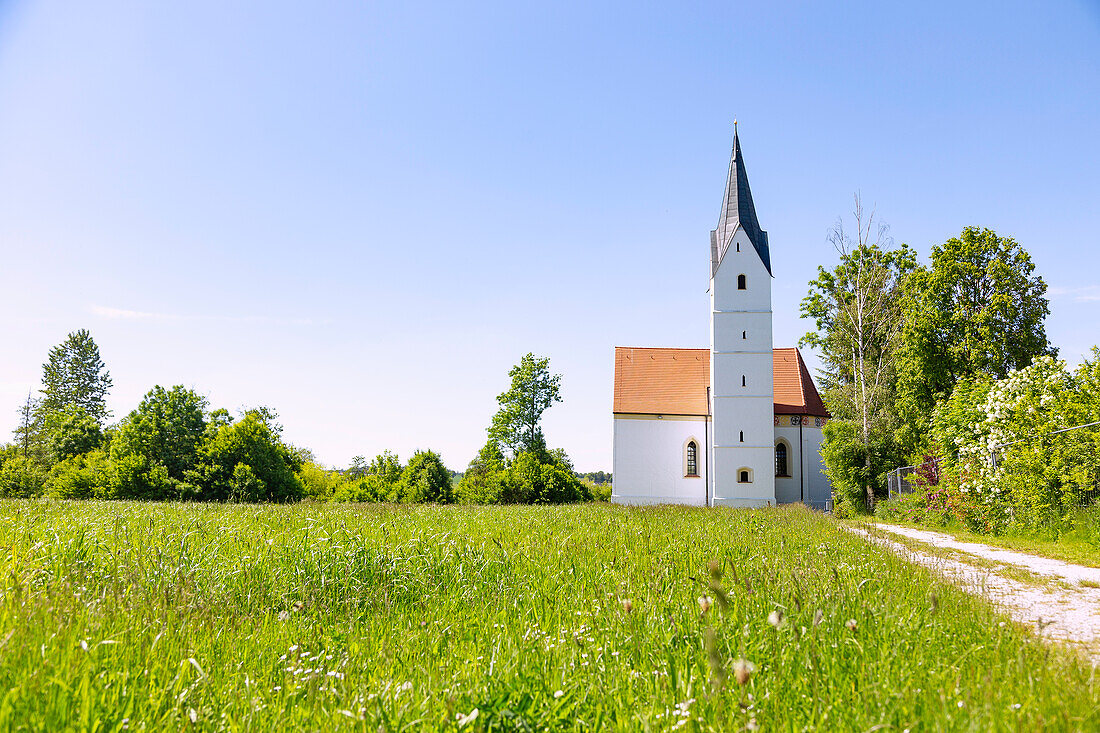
x=857, y=310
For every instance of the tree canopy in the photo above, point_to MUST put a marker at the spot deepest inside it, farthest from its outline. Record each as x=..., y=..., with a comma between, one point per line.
x=168, y=427
x=857, y=309
x=517, y=425
x=74, y=375
x=978, y=309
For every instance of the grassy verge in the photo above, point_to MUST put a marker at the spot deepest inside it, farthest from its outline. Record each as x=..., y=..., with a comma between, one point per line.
x=126, y=616
x=1068, y=549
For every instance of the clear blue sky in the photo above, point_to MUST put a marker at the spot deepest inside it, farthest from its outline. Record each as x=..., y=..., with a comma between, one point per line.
x=362, y=214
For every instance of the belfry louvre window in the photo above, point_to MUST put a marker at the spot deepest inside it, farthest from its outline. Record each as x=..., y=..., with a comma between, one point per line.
x=781, y=460
x=741, y=285
x=692, y=459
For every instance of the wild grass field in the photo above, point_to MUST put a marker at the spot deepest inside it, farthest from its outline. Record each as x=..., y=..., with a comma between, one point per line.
x=120, y=616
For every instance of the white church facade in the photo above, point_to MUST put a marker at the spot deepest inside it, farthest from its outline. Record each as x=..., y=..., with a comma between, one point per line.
x=738, y=424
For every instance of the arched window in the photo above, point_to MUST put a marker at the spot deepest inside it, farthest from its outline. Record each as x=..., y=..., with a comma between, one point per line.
x=744, y=335
x=692, y=459
x=738, y=246
x=744, y=475
x=742, y=380
x=781, y=460
x=742, y=436
x=741, y=282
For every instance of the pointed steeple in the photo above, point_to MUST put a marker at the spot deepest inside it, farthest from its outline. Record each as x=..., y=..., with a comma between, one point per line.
x=738, y=211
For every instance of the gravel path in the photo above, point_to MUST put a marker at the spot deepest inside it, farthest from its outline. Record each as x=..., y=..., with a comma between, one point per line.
x=1062, y=609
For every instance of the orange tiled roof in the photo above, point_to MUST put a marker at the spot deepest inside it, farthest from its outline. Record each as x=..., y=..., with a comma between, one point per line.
x=674, y=382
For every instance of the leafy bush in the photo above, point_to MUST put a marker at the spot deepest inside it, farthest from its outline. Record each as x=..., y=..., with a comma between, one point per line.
x=319, y=482
x=138, y=477
x=426, y=479
x=366, y=489
x=22, y=476
x=534, y=477
x=87, y=476
x=168, y=428
x=481, y=484
x=72, y=432
x=1040, y=471
x=246, y=461
x=843, y=455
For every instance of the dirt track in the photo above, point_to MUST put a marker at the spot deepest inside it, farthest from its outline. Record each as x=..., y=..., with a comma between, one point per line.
x=1053, y=601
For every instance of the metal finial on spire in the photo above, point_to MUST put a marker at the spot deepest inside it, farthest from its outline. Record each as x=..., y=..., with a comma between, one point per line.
x=735, y=127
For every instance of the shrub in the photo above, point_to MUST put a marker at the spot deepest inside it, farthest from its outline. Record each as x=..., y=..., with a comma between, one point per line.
x=534, y=477
x=367, y=488
x=246, y=461
x=318, y=482
x=426, y=479
x=137, y=477
x=72, y=432
x=168, y=427
x=86, y=476
x=22, y=476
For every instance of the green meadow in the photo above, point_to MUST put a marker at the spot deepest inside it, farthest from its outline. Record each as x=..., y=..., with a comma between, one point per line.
x=127, y=616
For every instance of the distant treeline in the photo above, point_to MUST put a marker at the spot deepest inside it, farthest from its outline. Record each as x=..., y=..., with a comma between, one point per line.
x=173, y=446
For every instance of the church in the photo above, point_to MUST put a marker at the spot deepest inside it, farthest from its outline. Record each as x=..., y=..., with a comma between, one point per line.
x=738, y=424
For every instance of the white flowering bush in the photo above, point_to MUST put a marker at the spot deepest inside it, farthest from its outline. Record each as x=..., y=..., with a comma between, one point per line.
x=1011, y=463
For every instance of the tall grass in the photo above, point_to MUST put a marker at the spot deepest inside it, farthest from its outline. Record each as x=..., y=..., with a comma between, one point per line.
x=136, y=616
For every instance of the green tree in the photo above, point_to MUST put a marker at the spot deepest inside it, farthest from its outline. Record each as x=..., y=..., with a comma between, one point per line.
x=83, y=476
x=73, y=432
x=168, y=427
x=357, y=469
x=320, y=483
x=979, y=309
x=856, y=309
x=22, y=477
x=481, y=482
x=31, y=438
x=426, y=479
x=517, y=427
x=74, y=375
x=386, y=466
x=246, y=461
x=539, y=478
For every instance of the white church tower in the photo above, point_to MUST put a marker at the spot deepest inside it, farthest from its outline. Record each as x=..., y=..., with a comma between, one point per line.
x=742, y=393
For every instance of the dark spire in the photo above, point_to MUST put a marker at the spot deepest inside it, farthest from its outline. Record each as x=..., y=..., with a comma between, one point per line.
x=738, y=210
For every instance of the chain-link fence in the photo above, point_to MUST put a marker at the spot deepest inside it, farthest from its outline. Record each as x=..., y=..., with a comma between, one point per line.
x=907, y=479
x=898, y=483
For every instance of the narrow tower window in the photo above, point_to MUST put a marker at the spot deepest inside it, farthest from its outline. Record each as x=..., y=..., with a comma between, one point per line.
x=781, y=460
x=692, y=459
x=742, y=436
x=744, y=335
x=741, y=282
x=738, y=246
x=742, y=380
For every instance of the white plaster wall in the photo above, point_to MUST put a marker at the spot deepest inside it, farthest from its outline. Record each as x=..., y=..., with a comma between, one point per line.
x=727, y=370
x=738, y=409
x=814, y=490
x=788, y=490
x=761, y=492
x=748, y=263
x=753, y=415
x=735, y=332
x=648, y=461
x=819, y=491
